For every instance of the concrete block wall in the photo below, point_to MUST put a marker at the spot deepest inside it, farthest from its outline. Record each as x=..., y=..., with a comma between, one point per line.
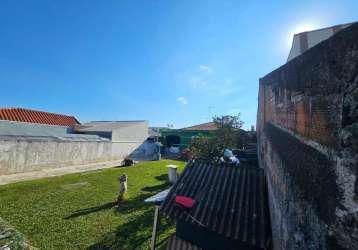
x=307, y=128
x=18, y=155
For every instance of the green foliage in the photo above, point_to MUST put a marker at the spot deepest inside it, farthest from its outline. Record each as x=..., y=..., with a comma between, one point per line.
x=78, y=211
x=205, y=147
x=228, y=135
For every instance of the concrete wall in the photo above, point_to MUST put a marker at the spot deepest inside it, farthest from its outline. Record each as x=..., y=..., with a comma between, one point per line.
x=136, y=132
x=27, y=147
x=24, y=154
x=307, y=129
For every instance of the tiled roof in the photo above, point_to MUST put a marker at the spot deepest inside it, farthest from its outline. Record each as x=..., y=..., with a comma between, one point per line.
x=33, y=116
x=230, y=201
x=203, y=126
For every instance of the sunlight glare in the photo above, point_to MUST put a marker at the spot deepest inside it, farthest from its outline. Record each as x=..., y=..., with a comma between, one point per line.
x=300, y=28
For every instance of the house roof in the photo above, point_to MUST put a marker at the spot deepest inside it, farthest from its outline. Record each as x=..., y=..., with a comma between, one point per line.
x=36, y=131
x=203, y=126
x=106, y=126
x=34, y=116
x=230, y=201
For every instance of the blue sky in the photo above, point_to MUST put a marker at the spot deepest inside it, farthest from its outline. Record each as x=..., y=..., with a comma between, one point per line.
x=169, y=62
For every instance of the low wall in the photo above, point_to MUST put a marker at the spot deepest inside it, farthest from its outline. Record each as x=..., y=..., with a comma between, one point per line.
x=307, y=128
x=28, y=154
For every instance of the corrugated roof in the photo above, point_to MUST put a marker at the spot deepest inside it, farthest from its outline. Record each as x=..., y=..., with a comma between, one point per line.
x=231, y=201
x=176, y=243
x=203, y=126
x=35, y=131
x=33, y=116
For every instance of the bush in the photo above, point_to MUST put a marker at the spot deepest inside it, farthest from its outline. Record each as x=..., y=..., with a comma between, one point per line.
x=205, y=148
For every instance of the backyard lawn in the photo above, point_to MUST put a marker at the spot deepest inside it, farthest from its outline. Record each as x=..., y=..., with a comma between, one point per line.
x=77, y=211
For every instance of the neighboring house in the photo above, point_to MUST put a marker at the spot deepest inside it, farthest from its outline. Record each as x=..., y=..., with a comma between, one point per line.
x=182, y=137
x=127, y=137
x=33, y=140
x=117, y=131
x=306, y=40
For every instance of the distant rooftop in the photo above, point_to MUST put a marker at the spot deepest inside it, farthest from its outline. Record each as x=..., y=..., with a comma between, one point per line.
x=203, y=126
x=36, y=131
x=34, y=116
x=106, y=126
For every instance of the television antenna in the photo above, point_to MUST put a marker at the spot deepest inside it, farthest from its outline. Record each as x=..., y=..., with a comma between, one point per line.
x=210, y=108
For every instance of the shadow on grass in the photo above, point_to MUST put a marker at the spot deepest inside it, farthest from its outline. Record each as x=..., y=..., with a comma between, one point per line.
x=90, y=210
x=162, y=177
x=130, y=235
x=126, y=206
x=157, y=188
x=134, y=234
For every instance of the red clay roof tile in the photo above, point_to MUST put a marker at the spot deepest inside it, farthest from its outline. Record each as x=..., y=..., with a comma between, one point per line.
x=204, y=126
x=33, y=116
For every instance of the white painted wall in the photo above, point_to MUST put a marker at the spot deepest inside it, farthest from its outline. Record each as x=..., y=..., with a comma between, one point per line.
x=315, y=37
x=295, y=49
x=24, y=155
x=137, y=132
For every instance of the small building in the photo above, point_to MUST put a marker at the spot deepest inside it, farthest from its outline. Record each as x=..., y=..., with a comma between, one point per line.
x=126, y=136
x=117, y=131
x=306, y=40
x=230, y=208
x=182, y=137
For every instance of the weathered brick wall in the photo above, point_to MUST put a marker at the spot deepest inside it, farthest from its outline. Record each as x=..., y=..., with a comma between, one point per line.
x=308, y=145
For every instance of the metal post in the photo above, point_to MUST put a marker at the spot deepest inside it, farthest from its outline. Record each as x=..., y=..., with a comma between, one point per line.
x=155, y=223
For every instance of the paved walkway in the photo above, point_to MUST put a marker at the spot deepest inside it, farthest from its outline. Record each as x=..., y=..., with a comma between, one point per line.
x=6, y=179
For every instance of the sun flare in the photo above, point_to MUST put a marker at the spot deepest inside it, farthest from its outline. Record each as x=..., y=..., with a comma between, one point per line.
x=300, y=28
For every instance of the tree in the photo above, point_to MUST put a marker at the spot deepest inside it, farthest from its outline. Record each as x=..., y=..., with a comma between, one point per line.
x=228, y=135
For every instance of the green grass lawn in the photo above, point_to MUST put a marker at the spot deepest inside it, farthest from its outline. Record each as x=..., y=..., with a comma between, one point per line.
x=76, y=211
